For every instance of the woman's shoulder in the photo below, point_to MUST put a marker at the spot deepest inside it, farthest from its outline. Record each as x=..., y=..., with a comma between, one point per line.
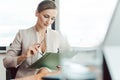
x=27, y=29
x=26, y=32
x=53, y=32
x=56, y=34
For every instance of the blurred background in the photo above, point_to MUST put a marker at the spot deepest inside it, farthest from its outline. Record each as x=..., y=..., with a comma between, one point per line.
x=84, y=23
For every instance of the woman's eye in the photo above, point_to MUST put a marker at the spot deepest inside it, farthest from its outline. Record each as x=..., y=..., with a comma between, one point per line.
x=46, y=16
x=52, y=18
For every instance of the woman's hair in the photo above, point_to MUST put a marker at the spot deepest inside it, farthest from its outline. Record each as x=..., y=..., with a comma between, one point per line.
x=46, y=4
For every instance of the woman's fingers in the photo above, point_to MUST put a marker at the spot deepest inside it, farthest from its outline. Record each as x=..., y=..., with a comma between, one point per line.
x=58, y=67
x=33, y=49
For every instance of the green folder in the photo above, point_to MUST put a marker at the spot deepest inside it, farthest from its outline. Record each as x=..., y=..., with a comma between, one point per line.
x=49, y=60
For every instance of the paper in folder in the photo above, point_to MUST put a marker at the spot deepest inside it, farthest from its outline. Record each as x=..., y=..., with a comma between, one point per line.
x=49, y=60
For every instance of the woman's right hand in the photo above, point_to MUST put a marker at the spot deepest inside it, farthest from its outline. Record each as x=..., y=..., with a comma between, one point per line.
x=32, y=50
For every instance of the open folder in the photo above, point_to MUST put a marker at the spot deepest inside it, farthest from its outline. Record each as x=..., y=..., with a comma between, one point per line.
x=49, y=60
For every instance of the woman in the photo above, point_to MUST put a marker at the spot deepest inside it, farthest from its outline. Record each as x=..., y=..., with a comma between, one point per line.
x=38, y=38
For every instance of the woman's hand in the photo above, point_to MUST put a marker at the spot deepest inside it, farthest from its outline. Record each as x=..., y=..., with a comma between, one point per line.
x=32, y=50
x=47, y=72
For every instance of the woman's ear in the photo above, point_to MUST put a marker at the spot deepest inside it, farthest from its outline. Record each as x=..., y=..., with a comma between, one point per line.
x=36, y=13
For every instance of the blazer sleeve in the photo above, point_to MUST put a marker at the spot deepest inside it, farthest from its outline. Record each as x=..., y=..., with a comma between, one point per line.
x=13, y=51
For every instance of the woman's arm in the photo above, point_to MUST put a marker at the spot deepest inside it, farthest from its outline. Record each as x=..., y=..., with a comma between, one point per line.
x=14, y=56
x=41, y=73
x=13, y=51
x=33, y=77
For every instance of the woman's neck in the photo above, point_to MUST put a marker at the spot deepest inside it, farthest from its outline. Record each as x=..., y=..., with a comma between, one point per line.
x=40, y=30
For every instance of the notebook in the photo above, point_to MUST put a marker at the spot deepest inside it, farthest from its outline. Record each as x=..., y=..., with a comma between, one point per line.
x=49, y=60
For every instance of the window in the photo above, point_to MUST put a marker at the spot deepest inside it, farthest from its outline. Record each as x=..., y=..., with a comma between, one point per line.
x=85, y=22
x=15, y=15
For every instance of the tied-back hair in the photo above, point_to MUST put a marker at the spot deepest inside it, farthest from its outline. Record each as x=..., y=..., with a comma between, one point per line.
x=46, y=4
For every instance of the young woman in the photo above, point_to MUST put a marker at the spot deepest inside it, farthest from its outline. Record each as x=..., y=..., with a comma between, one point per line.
x=38, y=38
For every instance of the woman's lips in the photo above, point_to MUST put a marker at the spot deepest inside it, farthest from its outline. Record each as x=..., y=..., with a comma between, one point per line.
x=46, y=24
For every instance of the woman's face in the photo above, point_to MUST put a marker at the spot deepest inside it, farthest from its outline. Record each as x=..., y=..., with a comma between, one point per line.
x=46, y=17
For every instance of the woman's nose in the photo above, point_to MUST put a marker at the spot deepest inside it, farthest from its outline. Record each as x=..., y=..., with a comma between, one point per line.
x=49, y=21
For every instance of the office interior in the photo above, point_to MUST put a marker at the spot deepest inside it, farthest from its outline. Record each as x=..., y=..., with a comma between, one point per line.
x=91, y=26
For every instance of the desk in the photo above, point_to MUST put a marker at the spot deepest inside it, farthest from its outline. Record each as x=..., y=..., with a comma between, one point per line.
x=112, y=57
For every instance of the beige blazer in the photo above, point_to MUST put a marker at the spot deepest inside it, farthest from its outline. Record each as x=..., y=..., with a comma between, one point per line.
x=25, y=38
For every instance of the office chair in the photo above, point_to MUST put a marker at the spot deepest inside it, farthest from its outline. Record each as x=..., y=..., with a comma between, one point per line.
x=11, y=73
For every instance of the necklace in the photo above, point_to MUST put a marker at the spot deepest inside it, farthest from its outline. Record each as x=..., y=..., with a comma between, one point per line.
x=38, y=38
x=42, y=49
